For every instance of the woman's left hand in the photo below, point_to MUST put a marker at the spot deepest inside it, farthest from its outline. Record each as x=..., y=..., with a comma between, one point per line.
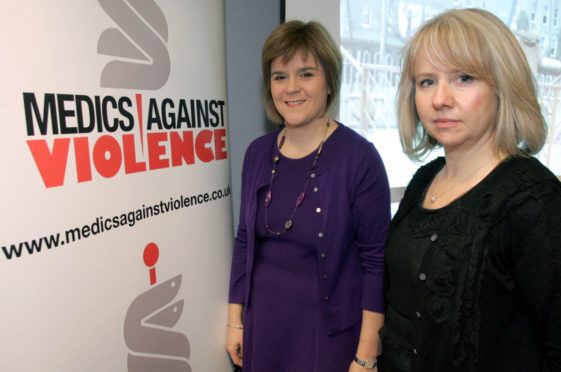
x=369, y=342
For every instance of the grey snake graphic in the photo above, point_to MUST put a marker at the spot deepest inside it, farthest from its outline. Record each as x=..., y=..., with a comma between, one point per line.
x=139, y=44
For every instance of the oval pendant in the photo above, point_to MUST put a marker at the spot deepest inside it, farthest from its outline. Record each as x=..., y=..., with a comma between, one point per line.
x=288, y=224
x=300, y=198
x=268, y=198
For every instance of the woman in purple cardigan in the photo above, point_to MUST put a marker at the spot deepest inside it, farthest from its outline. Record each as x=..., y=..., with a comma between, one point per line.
x=306, y=280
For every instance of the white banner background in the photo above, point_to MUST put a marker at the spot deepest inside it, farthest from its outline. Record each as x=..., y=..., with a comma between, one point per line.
x=63, y=309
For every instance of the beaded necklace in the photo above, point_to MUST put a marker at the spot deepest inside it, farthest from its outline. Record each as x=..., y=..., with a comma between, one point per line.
x=269, y=195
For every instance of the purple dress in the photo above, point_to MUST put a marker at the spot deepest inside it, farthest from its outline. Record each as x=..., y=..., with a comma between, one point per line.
x=303, y=292
x=284, y=326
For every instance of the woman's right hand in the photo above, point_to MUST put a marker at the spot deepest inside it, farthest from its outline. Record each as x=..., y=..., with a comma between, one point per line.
x=234, y=337
x=234, y=344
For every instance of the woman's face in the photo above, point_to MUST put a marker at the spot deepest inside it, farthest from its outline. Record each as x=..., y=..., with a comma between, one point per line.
x=299, y=90
x=456, y=109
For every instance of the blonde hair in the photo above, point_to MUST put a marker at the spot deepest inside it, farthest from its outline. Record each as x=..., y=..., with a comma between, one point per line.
x=478, y=43
x=291, y=38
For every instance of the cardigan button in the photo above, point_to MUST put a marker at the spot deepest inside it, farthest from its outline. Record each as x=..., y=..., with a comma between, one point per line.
x=422, y=276
x=322, y=255
x=316, y=189
x=318, y=210
x=433, y=237
x=418, y=315
x=320, y=235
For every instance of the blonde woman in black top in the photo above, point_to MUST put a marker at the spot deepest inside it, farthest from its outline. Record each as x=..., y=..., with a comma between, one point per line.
x=473, y=259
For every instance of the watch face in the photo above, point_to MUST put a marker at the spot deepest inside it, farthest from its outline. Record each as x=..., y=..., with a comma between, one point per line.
x=369, y=364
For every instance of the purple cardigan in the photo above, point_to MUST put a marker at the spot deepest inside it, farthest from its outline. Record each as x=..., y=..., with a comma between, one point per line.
x=352, y=188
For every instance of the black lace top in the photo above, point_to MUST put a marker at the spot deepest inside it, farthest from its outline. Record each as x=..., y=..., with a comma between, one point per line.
x=476, y=285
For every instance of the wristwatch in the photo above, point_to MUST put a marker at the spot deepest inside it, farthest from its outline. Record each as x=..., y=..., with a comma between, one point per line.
x=368, y=363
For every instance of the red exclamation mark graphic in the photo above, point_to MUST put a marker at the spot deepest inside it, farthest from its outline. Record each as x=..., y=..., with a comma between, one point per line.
x=151, y=254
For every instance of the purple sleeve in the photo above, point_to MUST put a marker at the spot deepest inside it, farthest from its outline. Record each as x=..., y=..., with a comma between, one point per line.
x=238, y=270
x=371, y=217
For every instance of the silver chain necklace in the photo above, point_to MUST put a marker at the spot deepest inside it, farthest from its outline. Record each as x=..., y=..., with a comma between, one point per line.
x=435, y=195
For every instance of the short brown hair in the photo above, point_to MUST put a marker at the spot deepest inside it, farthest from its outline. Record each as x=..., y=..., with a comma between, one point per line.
x=478, y=43
x=291, y=38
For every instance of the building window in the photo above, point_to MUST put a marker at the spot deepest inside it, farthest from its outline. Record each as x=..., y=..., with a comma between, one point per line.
x=367, y=17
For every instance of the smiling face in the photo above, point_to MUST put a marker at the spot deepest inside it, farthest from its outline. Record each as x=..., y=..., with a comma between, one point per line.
x=299, y=90
x=456, y=109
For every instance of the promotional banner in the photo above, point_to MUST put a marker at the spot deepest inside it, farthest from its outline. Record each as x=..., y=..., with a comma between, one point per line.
x=115, y=226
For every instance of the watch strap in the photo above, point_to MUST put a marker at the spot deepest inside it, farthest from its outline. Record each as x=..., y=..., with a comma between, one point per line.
x=368, y=363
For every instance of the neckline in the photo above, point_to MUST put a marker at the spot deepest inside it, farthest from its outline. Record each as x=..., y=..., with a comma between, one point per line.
x=469, y=193
x=312, y=153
